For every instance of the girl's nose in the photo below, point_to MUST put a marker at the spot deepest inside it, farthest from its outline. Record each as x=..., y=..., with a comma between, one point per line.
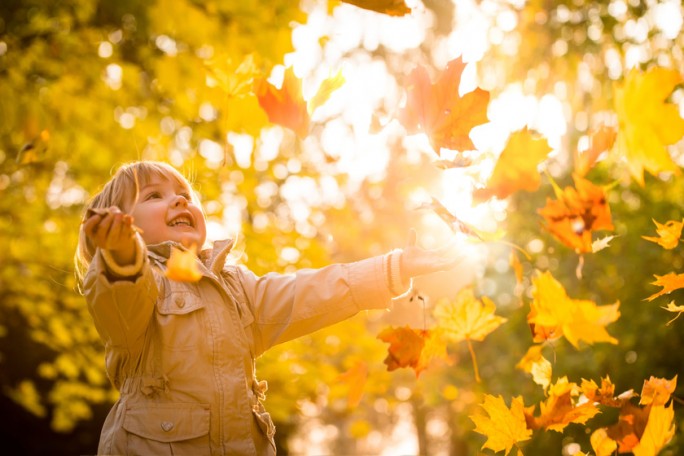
x=180, y=200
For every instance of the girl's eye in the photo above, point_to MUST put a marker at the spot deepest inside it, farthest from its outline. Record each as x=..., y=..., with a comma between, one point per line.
x=186, y=195
x=153, y=195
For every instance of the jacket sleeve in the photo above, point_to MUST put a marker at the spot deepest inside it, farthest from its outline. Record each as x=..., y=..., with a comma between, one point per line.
x=121, y=308
x=289, y=306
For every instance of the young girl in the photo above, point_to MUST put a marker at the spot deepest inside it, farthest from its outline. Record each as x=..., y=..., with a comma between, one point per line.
x=182, y=354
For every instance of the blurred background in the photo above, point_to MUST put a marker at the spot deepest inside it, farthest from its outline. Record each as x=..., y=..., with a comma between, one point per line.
x=86, y=85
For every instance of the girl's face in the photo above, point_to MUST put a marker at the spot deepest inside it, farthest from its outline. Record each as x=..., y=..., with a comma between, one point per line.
x=165, y=212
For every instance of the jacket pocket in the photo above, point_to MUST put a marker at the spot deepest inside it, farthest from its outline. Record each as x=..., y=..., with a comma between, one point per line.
x=179, y=316
x=173, y=429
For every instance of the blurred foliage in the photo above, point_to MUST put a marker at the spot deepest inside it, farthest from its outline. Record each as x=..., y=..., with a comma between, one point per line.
x=86, y=85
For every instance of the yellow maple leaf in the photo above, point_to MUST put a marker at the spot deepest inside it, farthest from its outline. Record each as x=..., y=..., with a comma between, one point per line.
x=668, y=234
x=657, y=391
x=647, y=123
x=670, y=282
x=535, y=364
x=561, y=409
x=604, y=395
x=466, y=317
x=327, y=87
x=516, y=168
x=182, y=265
x=672, y=307
x=601, y=443
x=659, y=431
x=503, y=427
x=553, y=312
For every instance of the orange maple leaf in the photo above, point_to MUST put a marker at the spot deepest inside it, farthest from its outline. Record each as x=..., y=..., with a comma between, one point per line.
x=604, y=395
x=389, y=7
x=561, y=408
x=554, y=313
x=670, y=282
x=669, y=234
x=182, y=265
x=647, y=123
x=516, y=167
x=286, y=105
x=440, y=111
x=601, y=141
x=657, y=391
x=659, y=431
x=406, y=346
x=630, y=426
x=577, y=213
x=503, y=427
x=355, y=379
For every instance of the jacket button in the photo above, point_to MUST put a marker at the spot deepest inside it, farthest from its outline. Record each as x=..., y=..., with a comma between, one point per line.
x=180, y=301
x=166, y=426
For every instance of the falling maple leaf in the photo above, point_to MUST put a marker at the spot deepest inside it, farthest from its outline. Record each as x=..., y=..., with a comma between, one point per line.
x=467, y=318
x=659, y=431
x=325, y=90
x=516, y=167
x=503, y=427
x=630, y=426
x=286, y=105
x=601, y=140
x=669, y=234
x=577, y=213
x=439, y=111
x=672, y=307
x=604, y=395
x=355, y=379
x=657, y=391
x=647, y=122
x=601, y=443
x=182, y=265
x=561, y=408
x=234, y=78
x=670, y=282
x=554, y=313
x=600, y=244
x=389, y=7
x=535, y=364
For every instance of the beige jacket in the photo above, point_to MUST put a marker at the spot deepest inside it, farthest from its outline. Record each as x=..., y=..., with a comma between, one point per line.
x=182, y=354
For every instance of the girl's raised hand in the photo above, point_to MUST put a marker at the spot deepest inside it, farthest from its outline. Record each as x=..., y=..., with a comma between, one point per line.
x=416, y=261
x=112, y=230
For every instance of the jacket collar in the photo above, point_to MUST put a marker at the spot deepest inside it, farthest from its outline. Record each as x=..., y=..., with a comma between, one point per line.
x=213, y=259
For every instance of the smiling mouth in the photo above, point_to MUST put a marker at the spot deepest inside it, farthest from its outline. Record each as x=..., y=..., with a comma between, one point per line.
x=181, y=221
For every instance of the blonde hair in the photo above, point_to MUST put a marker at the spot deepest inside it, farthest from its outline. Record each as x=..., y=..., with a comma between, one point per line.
x=122, y=191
